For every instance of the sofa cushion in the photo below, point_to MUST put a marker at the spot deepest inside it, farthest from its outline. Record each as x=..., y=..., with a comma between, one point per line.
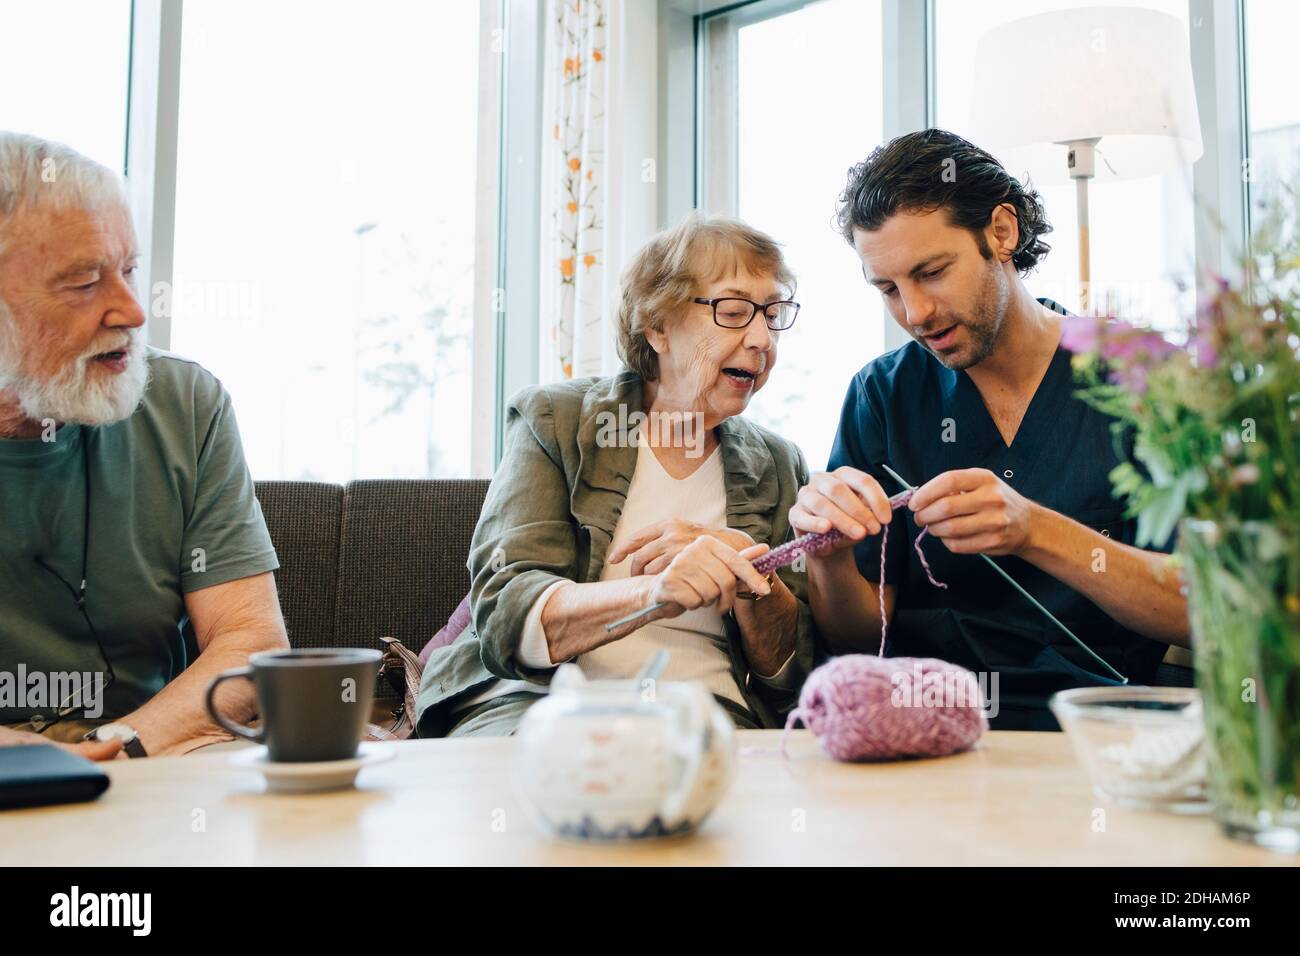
x=402, y=553
x=303, y=518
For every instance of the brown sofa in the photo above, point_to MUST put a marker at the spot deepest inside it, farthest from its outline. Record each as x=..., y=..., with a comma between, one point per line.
x=370, y=559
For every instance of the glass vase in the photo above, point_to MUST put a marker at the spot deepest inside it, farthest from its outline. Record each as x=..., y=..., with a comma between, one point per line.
x=1243, y=586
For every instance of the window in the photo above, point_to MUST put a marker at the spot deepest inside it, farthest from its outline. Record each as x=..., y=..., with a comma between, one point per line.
x=808, y=89
x=49, y=53
x=325, y=229
x=1272, y=108
x=1142, y=246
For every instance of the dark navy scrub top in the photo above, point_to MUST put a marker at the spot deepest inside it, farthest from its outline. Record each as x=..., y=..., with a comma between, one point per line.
x=907, y=410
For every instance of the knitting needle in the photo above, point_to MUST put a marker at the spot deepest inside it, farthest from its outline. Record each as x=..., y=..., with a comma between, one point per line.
x=1016, y=584
x=635, y=615
x=652, y=668
x=894, y=502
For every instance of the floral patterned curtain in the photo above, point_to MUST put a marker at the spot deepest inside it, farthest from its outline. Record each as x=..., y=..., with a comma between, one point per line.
x=577, y=295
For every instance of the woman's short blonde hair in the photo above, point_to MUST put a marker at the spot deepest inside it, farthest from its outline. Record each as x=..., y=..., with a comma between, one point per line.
x=667, y=272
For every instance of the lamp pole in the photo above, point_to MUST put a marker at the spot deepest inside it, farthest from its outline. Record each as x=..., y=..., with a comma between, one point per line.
x=1082, y=160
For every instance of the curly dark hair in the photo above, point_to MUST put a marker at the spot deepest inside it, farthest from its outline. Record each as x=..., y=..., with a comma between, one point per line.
x=935, y=169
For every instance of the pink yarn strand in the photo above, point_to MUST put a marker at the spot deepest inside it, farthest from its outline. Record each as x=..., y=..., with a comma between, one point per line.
x=884, y=618
x=899, y=502
x=795, y=715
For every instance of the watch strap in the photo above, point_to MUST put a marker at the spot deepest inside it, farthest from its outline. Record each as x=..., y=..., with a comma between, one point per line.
x=134, y=749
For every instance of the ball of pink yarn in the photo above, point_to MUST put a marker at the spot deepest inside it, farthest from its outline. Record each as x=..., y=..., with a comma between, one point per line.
x=862, y=707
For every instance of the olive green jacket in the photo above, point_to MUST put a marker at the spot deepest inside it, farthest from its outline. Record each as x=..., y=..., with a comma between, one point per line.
x=551, y=512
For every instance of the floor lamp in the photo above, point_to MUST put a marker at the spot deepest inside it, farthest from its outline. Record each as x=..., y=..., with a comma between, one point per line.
x=1113, y=99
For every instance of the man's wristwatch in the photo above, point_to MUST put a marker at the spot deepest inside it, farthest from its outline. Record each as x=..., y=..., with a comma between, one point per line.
x=123, y=732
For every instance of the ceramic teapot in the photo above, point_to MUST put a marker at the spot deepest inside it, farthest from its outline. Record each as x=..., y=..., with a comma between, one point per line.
x=623, y=759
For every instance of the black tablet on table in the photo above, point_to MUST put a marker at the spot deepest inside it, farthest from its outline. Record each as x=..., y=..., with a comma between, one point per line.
x=41, y=774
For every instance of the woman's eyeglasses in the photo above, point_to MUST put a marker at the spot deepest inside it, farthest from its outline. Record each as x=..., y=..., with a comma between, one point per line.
x=732, y=312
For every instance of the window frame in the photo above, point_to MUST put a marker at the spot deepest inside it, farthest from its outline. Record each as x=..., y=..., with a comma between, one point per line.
x=153, y=109
x=1217, y=32
x=515, y=348
x=504, y=350
x=908, y=64
x=907, y=90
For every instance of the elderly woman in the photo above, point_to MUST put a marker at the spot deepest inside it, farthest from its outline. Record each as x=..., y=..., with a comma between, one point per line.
x=590, y=519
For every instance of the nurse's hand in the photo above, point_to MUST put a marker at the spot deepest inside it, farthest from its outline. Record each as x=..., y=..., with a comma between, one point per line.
x=848, y=500
x=973, y=511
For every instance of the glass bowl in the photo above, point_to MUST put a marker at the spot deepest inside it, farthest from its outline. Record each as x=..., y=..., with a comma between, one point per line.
x=1143, y=747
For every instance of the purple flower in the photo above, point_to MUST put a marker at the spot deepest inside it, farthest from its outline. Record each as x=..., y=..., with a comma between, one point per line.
x=1080, y=333
x=1132, y=378
x=1129, y=351
x=1158, y=348
x=1132, y=345
x=1207, y=353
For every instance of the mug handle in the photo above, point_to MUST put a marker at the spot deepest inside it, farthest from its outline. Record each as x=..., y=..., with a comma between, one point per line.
x=239, y=730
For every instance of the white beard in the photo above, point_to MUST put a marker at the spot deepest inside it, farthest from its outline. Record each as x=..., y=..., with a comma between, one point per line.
x=77, y=395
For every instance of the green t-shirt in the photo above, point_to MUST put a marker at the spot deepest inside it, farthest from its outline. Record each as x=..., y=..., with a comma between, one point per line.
x=172, y=510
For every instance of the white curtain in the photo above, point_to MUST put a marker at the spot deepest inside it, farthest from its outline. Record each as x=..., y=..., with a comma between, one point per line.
x=579, y=197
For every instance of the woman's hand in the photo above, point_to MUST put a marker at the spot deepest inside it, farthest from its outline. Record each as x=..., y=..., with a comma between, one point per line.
x=654, y=547
x=848, y=500
x=705, y=573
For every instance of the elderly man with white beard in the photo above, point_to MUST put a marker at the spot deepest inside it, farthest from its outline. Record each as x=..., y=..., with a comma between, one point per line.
x=134, y=561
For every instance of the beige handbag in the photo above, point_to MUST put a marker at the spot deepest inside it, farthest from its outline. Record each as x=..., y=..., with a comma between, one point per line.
x=402, y=669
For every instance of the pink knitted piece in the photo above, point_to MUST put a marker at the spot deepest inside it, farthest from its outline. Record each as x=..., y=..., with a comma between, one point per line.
x=791, y=551
x=865, y=707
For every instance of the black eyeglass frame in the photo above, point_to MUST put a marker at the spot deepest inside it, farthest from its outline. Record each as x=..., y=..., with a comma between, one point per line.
x=757, y=307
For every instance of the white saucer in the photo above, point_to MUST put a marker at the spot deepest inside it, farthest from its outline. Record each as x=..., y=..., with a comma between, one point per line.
x=312, y=777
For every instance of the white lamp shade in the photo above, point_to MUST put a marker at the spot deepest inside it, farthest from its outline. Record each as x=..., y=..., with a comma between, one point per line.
x=1122, y=75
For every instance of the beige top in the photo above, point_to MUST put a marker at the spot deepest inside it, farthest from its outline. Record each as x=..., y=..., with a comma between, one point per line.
x=1020, y=798
x=696, y=641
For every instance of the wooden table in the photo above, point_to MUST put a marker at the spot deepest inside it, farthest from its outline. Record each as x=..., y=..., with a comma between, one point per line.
x=1020, y=798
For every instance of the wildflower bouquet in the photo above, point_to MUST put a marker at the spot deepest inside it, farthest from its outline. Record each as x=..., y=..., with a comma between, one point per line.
x=1215, y=412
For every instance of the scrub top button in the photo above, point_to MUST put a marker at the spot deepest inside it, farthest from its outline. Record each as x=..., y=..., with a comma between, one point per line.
x=1008, y=473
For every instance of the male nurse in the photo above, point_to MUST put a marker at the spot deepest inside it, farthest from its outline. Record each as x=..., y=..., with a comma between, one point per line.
x=979, y=411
